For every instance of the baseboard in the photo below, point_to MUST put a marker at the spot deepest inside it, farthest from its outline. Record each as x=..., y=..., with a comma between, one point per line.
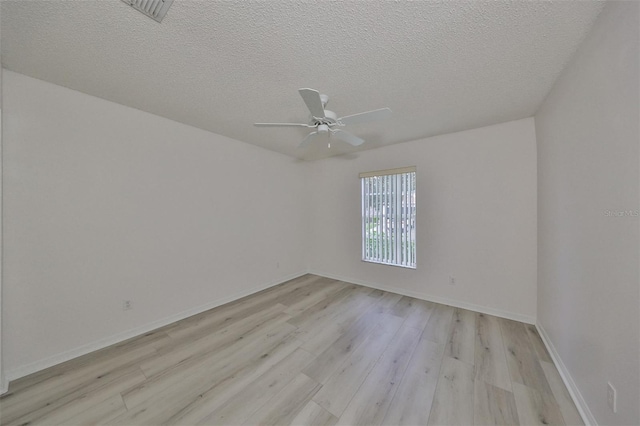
x=31, y=368
x=437, y=299
x=34, y=367
x=578, y=400
x=4, y=385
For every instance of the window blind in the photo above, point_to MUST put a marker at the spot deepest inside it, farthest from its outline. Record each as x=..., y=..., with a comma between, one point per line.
x=389, y=216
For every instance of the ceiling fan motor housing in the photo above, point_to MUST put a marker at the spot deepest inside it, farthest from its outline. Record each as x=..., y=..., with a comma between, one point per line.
x=330, y=118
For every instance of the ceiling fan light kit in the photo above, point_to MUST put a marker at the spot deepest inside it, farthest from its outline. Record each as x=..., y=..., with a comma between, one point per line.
x=324, y=121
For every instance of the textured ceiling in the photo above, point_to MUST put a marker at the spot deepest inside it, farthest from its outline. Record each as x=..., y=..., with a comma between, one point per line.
x=222, y=65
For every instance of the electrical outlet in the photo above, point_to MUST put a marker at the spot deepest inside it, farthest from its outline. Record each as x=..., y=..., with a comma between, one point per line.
x=452, y=280
x=612, y=397
x=127, y=305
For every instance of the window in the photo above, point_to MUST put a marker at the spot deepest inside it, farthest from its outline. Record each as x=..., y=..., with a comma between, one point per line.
x=389, y=217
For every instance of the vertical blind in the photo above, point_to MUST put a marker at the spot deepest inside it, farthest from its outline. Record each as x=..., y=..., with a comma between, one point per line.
x=389, y=216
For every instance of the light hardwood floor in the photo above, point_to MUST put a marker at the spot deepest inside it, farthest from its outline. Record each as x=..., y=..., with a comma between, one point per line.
x=310, y=351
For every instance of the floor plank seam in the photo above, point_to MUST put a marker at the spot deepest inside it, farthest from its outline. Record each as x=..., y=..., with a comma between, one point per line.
x=438, y=377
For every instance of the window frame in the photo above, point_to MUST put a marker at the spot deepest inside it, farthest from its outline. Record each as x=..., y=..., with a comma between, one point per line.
x=395, y=248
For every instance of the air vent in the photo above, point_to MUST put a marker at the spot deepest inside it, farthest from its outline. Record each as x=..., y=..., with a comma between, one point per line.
x=155, y=9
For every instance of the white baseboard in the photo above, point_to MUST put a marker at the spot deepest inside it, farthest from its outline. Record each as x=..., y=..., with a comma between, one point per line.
x=578, y=400
x=31, y=368
x=437, y=299
x=4, y=385
x=39, y=365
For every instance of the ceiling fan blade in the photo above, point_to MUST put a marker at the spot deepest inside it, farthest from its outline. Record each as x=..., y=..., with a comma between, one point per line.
x=364, y=117
x=281, y=125
x=308, y=139
x=347, y=137
x=314, y=103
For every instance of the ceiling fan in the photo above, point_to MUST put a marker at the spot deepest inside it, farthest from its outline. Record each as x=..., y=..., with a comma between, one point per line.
x=325, y=121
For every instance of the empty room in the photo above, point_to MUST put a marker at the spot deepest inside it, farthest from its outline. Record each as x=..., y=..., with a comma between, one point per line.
x=289, y=212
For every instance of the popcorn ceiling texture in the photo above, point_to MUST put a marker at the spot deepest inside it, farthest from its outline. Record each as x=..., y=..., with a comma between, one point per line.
x=222, y=65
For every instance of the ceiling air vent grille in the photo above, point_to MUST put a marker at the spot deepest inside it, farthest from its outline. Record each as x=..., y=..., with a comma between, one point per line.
x=155, y=9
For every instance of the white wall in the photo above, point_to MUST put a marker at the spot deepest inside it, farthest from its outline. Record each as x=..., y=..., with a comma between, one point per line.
x=588, y=287
x=105, y=203
x=476, y=218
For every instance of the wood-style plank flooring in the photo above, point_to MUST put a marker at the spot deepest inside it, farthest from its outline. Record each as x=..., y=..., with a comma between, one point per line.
x=310, y=351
